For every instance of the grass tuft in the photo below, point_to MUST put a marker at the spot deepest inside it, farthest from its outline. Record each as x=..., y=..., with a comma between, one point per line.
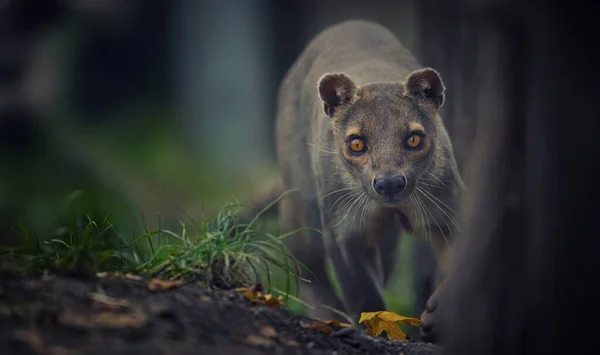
x=222, y=253
x=79, y=244
x=217, y=252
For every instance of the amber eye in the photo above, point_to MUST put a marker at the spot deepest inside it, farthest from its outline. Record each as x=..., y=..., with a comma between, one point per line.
x=414, y=141
x=357, y=145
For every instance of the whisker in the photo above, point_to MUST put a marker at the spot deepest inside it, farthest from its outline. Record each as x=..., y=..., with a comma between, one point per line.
x=362, y=199
x=362, y=215
x=413, y=206
x=428, y=183
x=426, y=219
x=425, y=193
x=419, y=166
x=436, y=178
x=344, y=197
x=440, y=228
x=354, y=200
x=347, y=202
x=417, y=213
x=340, y=190
x=438, y=181
x=322, y=149
x=440, y=201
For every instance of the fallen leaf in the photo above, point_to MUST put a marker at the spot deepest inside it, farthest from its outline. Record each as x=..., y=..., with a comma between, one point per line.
x=254, y=294
x=135, y=318
x=332, y=322
x=104, y=301
x=268, y=331
x=377, y=322
x=112, y=320
x=250, y=295
x=337, y=323
x=157, y=284
x=256, y=340
x=273, y=301
x=292, y=342
x=133, y=277
x=320, y=326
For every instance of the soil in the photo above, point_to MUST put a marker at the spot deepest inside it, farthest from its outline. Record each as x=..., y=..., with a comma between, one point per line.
x=66, y=315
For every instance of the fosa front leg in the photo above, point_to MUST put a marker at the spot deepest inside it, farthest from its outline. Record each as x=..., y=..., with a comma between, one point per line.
x=432, y=317
x=358, y=284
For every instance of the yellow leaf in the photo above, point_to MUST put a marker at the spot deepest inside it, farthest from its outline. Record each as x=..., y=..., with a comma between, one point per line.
x=255, y=296
x=250, y=295
x=332, y=322
x=377, y=322
x=273, y=301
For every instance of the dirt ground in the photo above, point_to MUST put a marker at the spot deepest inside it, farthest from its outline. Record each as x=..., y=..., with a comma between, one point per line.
x=68, y=315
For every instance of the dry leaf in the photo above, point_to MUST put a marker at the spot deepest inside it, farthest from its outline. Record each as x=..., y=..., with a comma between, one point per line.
x=135, y=318
x=133, y=277
x=292, y=342
x=337, y=323
x=254, y=294
x=250, y=295
x=256, y=340
x=377, y=322
x=103, y=301
x=272, y=301
x=268, y=331
x=320, y=326
x=332, y=322
x=157, y=284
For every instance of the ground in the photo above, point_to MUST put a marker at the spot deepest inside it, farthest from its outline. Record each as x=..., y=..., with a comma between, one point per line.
x=54, y=314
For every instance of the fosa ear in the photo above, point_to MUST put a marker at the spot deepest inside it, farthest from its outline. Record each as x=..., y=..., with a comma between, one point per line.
x=425, y=85
x=335, y=90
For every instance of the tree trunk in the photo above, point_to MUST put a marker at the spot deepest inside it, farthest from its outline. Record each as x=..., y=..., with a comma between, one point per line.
x=522, y=273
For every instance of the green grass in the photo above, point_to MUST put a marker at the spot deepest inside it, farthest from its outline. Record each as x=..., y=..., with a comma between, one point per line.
x=80, y=244
x=218, y=251
x=224, y=253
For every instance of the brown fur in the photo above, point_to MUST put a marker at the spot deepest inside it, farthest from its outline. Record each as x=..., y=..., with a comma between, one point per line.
x=356, y=78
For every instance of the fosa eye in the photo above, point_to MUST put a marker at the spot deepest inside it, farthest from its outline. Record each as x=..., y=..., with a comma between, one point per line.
x=357, y=146
x=415, y=141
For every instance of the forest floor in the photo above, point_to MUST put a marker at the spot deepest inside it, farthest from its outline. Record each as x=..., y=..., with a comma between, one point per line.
x=58, y=314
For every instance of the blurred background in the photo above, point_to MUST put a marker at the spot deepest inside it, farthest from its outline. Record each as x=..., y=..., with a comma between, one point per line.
x=143, y=107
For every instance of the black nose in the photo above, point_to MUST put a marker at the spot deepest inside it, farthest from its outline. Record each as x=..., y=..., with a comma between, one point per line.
x=389, y=185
